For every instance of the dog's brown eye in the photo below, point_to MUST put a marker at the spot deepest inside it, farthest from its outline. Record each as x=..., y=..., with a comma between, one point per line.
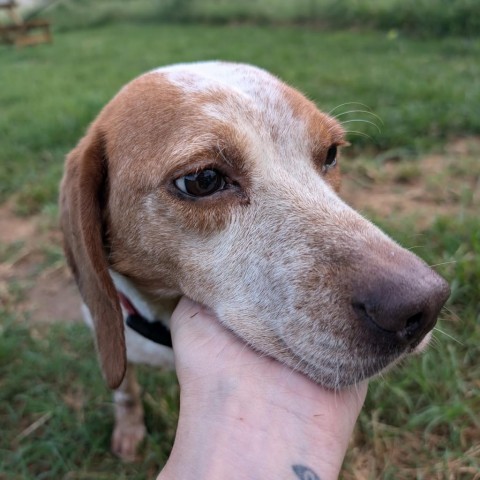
x=331, y=159
x=201, y=184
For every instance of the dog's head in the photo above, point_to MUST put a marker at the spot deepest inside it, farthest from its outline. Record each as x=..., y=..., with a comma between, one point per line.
x=218, y=181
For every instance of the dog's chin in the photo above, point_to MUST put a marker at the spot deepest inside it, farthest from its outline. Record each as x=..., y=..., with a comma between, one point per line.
x=339, y=374
x=365, y=370
x=354, y=376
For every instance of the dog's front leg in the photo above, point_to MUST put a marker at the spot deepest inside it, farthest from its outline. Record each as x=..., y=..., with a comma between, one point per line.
x=129, y=429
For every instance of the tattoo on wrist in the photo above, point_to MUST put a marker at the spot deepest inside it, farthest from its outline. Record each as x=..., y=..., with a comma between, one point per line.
x=305, y=473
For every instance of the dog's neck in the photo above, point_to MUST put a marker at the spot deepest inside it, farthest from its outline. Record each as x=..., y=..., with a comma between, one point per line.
x=159, y=309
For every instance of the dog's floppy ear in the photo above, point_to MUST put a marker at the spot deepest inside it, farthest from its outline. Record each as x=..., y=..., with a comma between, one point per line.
x=83, y=192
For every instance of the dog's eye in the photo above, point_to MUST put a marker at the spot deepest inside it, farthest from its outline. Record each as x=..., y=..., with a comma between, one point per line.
x=201, y=184
x=331, y=159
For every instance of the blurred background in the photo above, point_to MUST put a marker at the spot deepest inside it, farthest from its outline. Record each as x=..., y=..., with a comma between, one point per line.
x=403, y=76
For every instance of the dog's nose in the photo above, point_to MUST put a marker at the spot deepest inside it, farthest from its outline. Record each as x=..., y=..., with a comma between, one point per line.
x=404, y=303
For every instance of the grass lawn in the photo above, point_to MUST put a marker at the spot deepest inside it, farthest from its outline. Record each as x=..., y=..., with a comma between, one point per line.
x=420, y=421
x=423, y=91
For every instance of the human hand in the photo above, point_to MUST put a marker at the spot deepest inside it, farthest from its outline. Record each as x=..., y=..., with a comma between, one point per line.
x=244, y=415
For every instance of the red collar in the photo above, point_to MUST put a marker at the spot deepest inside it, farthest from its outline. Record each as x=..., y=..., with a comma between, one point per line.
x=127, y=304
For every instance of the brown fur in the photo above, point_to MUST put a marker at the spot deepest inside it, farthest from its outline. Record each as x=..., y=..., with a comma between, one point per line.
x=82, y=223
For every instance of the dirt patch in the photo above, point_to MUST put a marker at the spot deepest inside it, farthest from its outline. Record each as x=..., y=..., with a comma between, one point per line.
x=32, y=286
x=13, y=228
x=53, y=297
x=410, y=199
x=422, y=188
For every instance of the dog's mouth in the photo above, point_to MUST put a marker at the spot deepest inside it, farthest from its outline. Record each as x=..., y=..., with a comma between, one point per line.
x=333, y=354
x=331, y=373
x=345, y=367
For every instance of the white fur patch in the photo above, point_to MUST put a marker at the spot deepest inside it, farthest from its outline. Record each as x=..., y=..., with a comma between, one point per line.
x=139, y=348
x=251, y=99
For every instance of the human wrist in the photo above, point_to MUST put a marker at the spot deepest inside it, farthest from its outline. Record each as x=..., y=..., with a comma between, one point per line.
x=250, y=429
x=244, y=415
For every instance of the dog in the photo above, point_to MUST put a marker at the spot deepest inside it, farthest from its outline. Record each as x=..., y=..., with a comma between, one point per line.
x=218, y=181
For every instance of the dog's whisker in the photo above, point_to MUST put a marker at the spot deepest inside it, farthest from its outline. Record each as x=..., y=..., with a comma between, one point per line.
x=347, y=103
x=449, y=336
x=443, y=263
x=244, y=347
x=356, y=132
x=452, y=313
x=416, y=246
x=361, y=120
x=294, y=369
x=381, y=377
x=360, y=111
x=221, y=149
x=356, y=385
x=435, y=343
x=337, y=381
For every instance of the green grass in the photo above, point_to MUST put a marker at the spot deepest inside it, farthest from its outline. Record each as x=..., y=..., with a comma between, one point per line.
x=422, y=18
x=424, y=91
x=423, y=415
x=54, y=380
x=419, y=17
x=437, y=395
x=421, y=421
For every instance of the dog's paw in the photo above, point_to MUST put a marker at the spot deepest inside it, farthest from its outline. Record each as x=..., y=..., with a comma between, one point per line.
x=126, y=440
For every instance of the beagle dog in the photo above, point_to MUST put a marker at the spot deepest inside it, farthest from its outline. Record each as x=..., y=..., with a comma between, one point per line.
x=218, y=181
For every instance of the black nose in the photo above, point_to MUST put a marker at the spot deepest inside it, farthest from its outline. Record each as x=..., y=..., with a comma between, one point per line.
x=405, y=304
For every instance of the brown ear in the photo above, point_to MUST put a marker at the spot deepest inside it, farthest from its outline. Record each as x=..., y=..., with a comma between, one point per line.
x=82, y=194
